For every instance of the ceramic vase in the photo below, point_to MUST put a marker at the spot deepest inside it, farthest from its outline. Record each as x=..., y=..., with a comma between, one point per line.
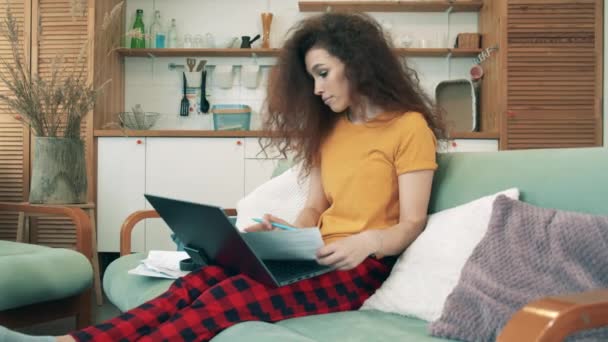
x=59, y=173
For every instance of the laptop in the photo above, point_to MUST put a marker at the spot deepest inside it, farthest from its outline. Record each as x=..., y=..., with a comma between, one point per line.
x=211, y=239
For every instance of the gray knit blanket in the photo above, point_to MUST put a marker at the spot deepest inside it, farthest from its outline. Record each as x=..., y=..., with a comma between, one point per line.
x=527, y=253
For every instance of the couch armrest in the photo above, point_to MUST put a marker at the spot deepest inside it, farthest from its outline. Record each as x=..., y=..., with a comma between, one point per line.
x=81, y=221
x=133, y=219
x=555, y=318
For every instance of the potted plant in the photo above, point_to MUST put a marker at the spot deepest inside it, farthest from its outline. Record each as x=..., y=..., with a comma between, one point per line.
x=54, y=107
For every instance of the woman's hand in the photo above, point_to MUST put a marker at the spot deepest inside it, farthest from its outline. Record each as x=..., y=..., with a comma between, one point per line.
x=265, y=225
x=347, y=253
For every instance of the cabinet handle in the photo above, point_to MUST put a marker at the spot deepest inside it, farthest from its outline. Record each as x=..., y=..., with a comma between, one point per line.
x=454, y=144
x=139, y=142
x=239, y=143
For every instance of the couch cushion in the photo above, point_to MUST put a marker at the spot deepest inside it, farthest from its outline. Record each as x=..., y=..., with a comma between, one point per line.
x=427, y=272
x=34, y=274
x=351, y=326
x=127, y=291
x=528, y=253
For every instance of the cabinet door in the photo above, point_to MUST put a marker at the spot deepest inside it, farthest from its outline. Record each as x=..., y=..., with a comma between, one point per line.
x=203, y=170
x=259, y=164
x=554, y=74
x=258, y=171
x=120, y=188
x=471, y=145
x=14, y=139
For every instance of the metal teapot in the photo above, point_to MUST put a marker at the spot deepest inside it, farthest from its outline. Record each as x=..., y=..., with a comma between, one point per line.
x=246, y=41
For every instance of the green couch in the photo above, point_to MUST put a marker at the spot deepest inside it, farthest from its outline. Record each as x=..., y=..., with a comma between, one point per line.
x=569, y=179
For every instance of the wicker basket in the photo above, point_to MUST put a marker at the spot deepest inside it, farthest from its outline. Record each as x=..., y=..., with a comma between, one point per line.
x=468, y=40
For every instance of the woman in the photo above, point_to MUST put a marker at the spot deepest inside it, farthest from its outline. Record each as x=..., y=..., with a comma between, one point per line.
x=356, y=119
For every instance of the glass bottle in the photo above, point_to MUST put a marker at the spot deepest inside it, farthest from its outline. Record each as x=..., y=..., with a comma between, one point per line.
x=138, y=40
x=157, y=36
x=266, y=22
x=172, y=35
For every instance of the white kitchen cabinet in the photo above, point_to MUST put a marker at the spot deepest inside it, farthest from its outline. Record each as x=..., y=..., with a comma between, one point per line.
x=259, y=164
x=258, y=171
x=216, y=171
x=120, y=187
x=471, y=145
x=202, y=170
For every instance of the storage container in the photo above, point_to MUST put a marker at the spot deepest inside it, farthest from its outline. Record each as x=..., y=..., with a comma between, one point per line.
x=468, y=40
x=231, y=117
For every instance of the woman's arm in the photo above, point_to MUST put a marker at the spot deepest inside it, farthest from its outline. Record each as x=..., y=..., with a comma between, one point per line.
x=414, y=195
x=316, y=202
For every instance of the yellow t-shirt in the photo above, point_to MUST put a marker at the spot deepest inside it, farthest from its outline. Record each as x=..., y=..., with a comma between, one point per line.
x=360, y=164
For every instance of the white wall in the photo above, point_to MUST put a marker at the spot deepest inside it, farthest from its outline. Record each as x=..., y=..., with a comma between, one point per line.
x=149, y=82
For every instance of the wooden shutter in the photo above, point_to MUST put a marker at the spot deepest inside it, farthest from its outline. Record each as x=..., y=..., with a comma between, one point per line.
x=14, y=142
x=59, y=32
x=554, y=74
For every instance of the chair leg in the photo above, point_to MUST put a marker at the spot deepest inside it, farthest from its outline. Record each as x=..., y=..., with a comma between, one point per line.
x=96, y=272
x=84, y=315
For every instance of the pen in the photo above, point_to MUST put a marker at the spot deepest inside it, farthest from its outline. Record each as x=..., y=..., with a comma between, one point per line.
x=278, y=225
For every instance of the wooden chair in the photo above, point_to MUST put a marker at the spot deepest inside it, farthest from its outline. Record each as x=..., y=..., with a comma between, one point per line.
x=125, y=290
x=77, y=304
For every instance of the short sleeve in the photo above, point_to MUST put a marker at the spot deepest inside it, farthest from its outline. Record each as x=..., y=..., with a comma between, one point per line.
x=417, y=146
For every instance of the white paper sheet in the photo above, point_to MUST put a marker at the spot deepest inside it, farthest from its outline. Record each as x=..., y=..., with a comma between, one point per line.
x=301, y=244
x=161, y=264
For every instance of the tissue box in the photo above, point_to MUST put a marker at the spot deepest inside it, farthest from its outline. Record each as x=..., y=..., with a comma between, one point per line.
x=231, y=117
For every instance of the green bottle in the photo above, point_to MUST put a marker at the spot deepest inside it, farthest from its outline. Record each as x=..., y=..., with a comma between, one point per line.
x=139, y=42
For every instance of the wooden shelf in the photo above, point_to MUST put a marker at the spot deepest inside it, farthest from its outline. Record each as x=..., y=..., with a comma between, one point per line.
x=437, y=52
x=392, y=6
x=177, y=133
x=196, y=52
x=275, y=52
x=475, y=135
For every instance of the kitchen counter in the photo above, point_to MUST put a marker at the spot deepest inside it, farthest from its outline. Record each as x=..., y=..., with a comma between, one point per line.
x=237, y=134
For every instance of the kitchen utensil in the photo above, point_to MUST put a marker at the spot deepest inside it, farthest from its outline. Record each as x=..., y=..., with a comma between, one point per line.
x=185, y=104
x=222, y=76
x=204, y=102
x=459, y=99
x=250, y=75
x=191, y=62
x=246, y=41
x=201, y=65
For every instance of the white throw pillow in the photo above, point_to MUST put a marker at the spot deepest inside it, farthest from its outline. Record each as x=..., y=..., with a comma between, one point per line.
x=427, y=272
x=282, y=196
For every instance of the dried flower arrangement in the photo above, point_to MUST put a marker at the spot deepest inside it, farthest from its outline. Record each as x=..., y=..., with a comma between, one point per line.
x=55, y=105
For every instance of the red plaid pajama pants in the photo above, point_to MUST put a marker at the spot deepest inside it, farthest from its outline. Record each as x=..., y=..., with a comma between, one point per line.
x=203, y=303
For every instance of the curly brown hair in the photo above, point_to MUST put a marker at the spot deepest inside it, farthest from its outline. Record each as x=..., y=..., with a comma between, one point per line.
x=299, y=120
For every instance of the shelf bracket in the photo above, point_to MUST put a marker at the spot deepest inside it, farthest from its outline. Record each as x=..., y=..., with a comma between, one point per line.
x=449, y=10
x=150, y=55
